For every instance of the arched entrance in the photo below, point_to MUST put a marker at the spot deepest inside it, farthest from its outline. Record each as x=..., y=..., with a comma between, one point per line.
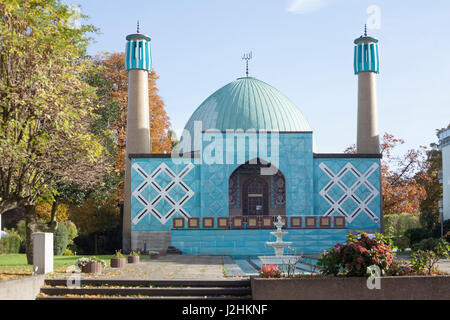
x=250, y=193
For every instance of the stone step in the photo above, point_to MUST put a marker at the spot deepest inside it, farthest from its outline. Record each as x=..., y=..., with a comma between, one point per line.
x=154, y=283
x=173, y=250
x=248, y=297
x=160, y=292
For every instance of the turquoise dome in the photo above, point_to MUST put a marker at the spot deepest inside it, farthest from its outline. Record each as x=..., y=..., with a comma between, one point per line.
x=248, y=103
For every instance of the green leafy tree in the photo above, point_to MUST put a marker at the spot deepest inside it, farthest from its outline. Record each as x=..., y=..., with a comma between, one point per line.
x=46, y=106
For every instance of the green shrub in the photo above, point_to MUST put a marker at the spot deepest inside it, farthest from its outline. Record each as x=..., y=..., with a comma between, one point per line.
x=416, y=235
x=426, y=244
x=425, y=261
x=72, y=231
x=21, y=229
x=118, y=254
x=396, y=226
x=22, y=233
x=67, y=252
x=60, y=239
x=10, y=243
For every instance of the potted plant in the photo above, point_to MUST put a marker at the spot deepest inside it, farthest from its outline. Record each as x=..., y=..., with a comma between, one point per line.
x=91, y=265
x=133, y=257
x=153, y=254
x=118, y=260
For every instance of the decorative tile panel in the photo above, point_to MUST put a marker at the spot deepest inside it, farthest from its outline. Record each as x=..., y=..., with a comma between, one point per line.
x=171, y=192
x=349, y=196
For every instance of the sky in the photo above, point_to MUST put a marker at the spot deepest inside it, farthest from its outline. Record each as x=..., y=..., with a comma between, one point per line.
x=304, y=48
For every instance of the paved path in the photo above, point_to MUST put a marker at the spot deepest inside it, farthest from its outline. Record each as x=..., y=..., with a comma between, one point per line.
x=444, y=265
x=167, y=267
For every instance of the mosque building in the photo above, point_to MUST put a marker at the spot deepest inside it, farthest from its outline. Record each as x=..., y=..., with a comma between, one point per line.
x=246, y=156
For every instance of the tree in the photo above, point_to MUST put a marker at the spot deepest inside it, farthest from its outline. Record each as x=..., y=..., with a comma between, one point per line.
x=46, y=107
x=402, y=177
x=113, y=88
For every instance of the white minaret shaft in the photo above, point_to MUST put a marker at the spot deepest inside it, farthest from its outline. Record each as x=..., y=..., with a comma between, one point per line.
x=366, y=66
x=138, y=65
x=367, y=136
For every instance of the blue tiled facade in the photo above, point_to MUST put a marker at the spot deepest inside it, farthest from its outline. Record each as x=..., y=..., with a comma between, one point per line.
x=315, y=186
x=253, y=242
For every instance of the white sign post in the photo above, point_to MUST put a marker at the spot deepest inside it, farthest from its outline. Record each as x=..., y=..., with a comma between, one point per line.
x=43, y=252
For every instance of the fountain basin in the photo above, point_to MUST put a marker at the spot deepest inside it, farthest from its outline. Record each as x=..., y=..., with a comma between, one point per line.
x=280, y=260
x=278, y=233
x=279, y=244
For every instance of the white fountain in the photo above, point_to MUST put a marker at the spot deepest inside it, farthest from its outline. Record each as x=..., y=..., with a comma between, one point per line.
x=279, y=246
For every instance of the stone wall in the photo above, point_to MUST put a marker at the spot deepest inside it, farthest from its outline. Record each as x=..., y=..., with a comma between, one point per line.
x=21, y=289
x=332, y=288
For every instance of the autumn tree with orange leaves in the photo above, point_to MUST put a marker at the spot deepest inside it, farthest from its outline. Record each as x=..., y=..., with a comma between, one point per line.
x=114, y=91
x=402, y=176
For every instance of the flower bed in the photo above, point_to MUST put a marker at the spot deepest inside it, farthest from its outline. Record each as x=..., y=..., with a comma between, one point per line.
x=118, y=260
x=363, y=255
x=133, y=257
x=91, y=265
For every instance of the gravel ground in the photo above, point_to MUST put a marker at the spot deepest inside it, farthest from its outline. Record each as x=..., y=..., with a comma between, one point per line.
x=167, y=267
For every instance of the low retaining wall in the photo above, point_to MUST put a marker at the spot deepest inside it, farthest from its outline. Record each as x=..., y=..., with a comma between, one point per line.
x=334, y=288
x=21, y=289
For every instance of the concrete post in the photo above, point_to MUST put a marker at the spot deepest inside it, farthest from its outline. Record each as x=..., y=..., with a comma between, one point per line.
x=43, y=252
x=138, y=64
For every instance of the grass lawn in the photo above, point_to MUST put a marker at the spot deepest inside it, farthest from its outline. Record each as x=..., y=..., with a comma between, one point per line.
x=15, y=265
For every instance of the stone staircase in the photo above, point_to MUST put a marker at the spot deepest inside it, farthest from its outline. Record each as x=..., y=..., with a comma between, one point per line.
x=56, y=289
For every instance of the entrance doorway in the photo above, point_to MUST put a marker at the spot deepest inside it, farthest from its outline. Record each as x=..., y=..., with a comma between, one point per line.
x=255, y=196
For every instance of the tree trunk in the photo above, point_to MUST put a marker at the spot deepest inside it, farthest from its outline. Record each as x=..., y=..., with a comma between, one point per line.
x=30, y=228
x=53, y=212
x=95, y=243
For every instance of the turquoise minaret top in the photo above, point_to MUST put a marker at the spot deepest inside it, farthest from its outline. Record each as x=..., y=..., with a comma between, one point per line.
x=137, y=52
x=366, y=54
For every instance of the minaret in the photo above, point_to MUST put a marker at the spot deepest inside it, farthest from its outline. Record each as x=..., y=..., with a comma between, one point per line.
x=366, y=66
x=138, y=65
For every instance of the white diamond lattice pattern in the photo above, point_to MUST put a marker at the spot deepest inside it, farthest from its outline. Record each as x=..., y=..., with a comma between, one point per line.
x=362, y=205
x=150, y=181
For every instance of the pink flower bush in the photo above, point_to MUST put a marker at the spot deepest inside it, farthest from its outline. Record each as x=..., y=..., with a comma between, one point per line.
x=270, y=271
x=359, y=252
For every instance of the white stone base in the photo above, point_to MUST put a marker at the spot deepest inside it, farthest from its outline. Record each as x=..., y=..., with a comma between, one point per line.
x=43, y=252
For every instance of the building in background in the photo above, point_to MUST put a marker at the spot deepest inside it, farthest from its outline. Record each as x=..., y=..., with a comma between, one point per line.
x=444, y=145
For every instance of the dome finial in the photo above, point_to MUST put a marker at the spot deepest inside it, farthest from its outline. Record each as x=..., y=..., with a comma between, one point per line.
x=137, y=29
x=365, y=30
x=247, y=57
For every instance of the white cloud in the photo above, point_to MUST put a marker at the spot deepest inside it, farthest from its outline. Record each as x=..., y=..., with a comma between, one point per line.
x=306, y=6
